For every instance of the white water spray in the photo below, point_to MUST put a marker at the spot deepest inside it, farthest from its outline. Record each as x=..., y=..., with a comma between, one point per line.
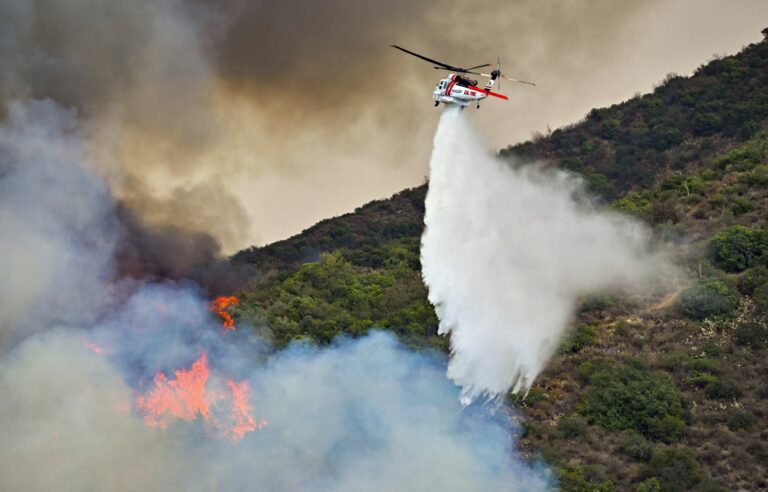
x=507, y=252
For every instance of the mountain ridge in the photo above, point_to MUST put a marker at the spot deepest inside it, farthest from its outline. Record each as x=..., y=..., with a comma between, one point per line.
x=663, y=395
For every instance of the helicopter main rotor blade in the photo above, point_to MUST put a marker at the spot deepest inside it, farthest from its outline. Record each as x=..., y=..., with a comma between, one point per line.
x=457, y=70
x=507, y=78
x=520, y=81
x=430, y=60
x=479, y=66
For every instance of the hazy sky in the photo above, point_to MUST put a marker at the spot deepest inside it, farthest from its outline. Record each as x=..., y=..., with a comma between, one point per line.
x=254, y=120
x=579, y=57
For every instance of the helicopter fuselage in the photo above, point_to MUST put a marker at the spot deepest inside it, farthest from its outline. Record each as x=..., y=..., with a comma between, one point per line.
x=461, y=91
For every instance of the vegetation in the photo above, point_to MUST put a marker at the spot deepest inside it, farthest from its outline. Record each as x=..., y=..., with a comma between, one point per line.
x=631, y=397
x=667, y=394
x=709, y=298
x=737, y=248
x=675, y=468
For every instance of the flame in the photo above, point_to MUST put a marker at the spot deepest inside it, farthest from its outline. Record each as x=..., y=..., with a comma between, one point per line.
x=182, y=398
x=219, y=306
x=94, y=347
x=241, y=415
x=192, y=394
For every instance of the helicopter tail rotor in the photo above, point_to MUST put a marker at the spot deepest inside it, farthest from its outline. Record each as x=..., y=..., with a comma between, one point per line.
x=498, y=75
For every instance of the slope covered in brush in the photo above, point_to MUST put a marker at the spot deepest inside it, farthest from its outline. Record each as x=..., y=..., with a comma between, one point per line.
x=667, y=394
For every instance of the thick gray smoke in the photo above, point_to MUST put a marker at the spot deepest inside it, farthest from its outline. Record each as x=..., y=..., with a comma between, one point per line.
x=506, y=254
x=86, y=353
x=212, y=114
x=57, y=223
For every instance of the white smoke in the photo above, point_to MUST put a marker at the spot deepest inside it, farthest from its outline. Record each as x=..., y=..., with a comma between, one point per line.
x=360, y=415
x=506, y=254
x=56, y=221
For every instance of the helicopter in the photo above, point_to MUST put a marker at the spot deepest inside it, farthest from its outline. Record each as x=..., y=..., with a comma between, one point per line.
x=459, y=89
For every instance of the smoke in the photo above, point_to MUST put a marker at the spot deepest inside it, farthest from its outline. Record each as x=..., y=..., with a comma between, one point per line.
x=118, y=380
x=58, y=228
x=210, y=116
x=507, y=252
x=363, y=415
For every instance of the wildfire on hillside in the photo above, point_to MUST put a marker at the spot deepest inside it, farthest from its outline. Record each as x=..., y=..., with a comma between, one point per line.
x=192, y=393
x=220, y=305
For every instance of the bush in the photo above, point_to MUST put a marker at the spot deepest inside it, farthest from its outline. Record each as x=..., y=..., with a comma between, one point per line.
x=583, y=336
x=572, y=479
x=737, y=248
x=571, y=426
x=649, y=485
x=752, y=279
x=760, y=295
x=611, y=129
x=740, y=420
x=709, y=298
x=675, y=468
x=701, y=380
x=722, y=389
x=752, y=335
x=631, y=397
x=703, y=365
x=637, y=446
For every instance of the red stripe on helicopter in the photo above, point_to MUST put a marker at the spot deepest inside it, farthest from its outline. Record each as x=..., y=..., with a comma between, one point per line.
x=494, y=94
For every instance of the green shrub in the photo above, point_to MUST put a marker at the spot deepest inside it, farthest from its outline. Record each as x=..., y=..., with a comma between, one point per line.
x=722, y=389
x=675, y=468
x=741, y=420
x=742, y=206
x=583, y=336
x=751, y=334
x=668, y=428
x=703, y=365
x=709, y=298
x=572, y=479
x=701, y=380
x=649, y=485
x=756, y=177
x=752, y=279
x=571, y=426
x=760, y=295
x=637, y=446
x=675, y=360
x=634, y=203
x=631, y=397
x=611, y=129
x=737, y=248
x=712, y=349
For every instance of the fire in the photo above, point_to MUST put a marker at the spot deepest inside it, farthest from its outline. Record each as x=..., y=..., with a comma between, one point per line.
x=94, y=347
x=219, y=306
x=241, y=415
x=181, y=398
x=192, y=393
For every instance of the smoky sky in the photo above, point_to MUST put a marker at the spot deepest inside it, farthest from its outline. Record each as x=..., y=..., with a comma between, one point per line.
x=250, y=120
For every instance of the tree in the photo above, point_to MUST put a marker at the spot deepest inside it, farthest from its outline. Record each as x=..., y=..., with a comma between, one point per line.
x=709, y=298
x=631, y=397
x=676, y=469
x=737, y=248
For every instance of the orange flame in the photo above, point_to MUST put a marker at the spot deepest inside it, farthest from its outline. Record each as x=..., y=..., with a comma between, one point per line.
x=182, y=398
x=94, y=347
x=241, y=415
x=190, y=396
x=219, y=306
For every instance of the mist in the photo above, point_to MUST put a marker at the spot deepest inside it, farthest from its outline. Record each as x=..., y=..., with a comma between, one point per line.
x=507, y=252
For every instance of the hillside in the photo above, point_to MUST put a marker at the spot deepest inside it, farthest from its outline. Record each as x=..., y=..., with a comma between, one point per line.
x=666, y=396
